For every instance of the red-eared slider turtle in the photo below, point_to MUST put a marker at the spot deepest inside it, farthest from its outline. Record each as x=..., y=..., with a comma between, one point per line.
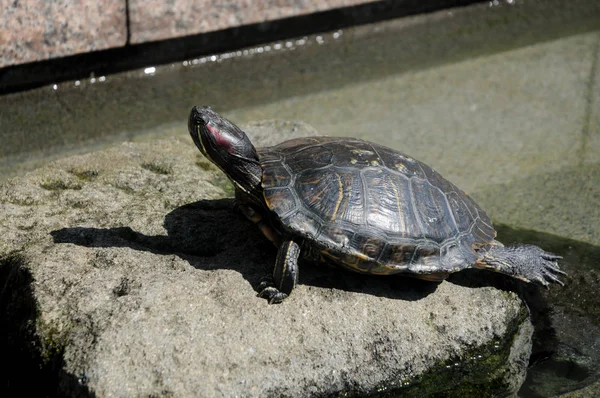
x=359, y=205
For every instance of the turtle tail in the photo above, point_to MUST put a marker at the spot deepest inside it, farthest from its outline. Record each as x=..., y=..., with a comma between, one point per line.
x=528, y=263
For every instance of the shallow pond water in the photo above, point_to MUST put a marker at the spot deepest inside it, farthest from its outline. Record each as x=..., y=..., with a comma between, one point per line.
x=502, y=100
x=566, y=349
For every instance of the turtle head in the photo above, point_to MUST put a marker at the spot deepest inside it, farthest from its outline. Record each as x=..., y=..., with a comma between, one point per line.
x=228, y=147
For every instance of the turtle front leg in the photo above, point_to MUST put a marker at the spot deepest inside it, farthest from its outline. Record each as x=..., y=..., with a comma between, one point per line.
x=285, y=274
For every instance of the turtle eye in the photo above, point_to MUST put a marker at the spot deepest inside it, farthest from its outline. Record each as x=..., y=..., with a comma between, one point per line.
x=202, y=122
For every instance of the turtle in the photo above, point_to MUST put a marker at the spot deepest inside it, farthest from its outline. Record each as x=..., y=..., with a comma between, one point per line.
x=361, y=206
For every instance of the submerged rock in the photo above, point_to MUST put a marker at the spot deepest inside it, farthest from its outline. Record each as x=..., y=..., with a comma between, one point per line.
x=128, y=272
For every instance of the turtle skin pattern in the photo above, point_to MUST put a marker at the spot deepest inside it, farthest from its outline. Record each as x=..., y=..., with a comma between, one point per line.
x=371, y=209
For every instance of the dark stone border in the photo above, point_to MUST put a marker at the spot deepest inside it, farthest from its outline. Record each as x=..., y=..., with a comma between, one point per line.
x=36, y=74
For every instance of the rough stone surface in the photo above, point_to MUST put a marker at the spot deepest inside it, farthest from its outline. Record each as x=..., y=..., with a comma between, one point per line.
x=592, y=390
x=156, y=20
x=138, y=279
x=31, y=30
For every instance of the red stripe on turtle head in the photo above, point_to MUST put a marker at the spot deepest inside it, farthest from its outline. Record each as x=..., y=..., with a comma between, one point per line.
x=221, y=139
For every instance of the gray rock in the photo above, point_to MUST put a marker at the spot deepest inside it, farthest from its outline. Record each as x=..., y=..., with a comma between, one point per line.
x=127, y=272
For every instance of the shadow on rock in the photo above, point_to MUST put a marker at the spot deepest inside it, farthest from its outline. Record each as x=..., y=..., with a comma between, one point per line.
x=210, y=234
x=33, y=368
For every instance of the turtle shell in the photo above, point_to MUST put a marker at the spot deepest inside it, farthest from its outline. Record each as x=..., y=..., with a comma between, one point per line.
x=371, y=208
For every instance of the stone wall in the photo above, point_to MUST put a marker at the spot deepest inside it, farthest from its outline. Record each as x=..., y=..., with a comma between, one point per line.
x=32, y=31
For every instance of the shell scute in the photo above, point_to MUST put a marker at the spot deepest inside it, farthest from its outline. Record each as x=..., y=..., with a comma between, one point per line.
x=303, y=223
x=332, y=196
x=336, y=236
x=282, y=201
x=432, y=211
x=277, y=176
x=389, y=197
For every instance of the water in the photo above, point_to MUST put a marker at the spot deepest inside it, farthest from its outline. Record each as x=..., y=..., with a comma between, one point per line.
x=503, y=100
x=566, y=348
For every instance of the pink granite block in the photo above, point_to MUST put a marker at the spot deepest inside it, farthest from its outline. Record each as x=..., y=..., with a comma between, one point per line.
x=156, y=20
x=33, y=30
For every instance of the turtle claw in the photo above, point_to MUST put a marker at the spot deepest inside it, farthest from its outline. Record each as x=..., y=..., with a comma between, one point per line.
x=542, y=272
x=266, y=282
x=550, y=256
x=548, y=272
x=541, y=280
x=552, y=276
x=268, y=291
x=271, y=294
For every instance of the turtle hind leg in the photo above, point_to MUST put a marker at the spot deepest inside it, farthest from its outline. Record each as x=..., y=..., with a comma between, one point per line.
x=285, y=274
x=525, y=262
